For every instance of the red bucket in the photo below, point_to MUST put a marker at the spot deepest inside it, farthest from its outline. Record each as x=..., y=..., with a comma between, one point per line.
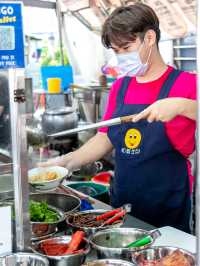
x=102, y=178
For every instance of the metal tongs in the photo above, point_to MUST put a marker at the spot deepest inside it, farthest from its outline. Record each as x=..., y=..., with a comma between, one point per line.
x=106, y=123
x=113, y=215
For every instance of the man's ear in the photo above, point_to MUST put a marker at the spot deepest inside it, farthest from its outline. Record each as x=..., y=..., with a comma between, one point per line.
x=150, y=38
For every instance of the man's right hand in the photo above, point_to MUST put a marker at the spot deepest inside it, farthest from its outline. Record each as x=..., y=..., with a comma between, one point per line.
x=58, y=161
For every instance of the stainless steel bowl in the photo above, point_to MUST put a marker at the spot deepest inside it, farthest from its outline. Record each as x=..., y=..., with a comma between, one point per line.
x=111, y=243
x=156, y=253
x=25, y=259
x=109, y=262
x=67, y=260
x=63, y=202
x=40, y=229
x=91, y=230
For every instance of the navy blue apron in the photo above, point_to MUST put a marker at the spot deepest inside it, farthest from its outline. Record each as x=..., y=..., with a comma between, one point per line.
x=149, y=173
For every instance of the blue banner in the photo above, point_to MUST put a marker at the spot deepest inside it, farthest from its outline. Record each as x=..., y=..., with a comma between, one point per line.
x=11, y=35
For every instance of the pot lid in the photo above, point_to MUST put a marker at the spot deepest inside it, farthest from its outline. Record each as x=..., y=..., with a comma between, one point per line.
x=60, y=111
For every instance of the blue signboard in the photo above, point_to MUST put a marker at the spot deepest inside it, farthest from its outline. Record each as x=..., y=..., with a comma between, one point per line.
x=11, y=35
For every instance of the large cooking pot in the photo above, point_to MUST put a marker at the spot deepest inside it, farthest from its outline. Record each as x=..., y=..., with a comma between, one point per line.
x=56, y=120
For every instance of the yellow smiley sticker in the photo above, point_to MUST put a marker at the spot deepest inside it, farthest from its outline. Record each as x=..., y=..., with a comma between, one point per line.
x=133, y=138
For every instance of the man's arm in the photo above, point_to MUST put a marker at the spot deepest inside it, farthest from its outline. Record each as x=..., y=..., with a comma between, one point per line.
x=93, y=150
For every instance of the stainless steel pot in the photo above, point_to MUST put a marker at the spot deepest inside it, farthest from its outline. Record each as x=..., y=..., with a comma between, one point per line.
x=56, y=120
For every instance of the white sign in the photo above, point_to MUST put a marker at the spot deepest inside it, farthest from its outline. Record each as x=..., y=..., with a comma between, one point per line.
x=5, y=230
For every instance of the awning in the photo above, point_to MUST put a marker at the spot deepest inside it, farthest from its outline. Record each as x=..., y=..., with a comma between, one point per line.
x=177, y=17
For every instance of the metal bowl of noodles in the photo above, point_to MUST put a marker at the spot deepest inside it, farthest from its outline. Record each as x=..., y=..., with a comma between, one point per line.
x=109, y=262
x=111, y=243
x=90, y=230
x=74, y=259
x=157, y=255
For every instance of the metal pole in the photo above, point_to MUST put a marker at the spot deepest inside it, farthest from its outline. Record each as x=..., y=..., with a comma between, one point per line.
x=19, y=156
x=198, y=140
x=59, y=16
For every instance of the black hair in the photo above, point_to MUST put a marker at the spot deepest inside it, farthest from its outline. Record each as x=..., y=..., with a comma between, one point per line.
x=126, y=23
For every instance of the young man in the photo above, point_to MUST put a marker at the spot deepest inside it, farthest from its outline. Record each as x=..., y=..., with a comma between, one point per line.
x=151, y=170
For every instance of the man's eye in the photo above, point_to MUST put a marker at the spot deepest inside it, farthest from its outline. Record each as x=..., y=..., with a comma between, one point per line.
x=126, y=48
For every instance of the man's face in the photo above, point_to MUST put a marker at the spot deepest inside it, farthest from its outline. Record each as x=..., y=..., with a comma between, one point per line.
x=143, y=47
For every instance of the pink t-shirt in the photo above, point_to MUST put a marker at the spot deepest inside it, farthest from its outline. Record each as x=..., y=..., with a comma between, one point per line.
x=181, y=130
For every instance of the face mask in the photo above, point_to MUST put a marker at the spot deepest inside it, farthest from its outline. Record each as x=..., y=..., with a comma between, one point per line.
x=130, y=64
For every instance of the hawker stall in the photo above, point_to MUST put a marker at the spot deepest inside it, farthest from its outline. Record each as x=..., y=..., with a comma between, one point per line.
x=50, y=212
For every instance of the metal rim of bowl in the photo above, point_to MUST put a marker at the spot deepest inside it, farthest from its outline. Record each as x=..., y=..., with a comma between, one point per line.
x=99, y=211
x=65, y=195
x=25, y=254
x=172, y=248
x=98, y=247
x=84, y=252
x=115, y=261
x=40, y=238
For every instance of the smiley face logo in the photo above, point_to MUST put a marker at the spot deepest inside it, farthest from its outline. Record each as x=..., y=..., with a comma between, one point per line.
x=132, y=138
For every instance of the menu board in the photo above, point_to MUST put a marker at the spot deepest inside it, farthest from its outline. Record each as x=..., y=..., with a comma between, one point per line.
x=11, y=35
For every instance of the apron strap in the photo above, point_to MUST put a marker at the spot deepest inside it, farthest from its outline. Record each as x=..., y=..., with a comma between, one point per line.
x=122, y=91
x=169, y=82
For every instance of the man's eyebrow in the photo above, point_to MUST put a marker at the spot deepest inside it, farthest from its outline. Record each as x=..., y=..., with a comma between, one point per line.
x=121, y=45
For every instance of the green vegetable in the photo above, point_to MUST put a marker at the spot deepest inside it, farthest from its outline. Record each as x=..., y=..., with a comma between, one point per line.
x=40, y=212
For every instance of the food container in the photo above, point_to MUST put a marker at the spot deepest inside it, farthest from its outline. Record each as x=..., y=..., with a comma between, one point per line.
x=63, y=202
x=111, y=243
x=41, y=229
x=66, y=260
x=25, y=259
x=91, y=230
x=91, y=189
x=61, y=173
x=109, y=262
x=156, y=253
x=55, y=120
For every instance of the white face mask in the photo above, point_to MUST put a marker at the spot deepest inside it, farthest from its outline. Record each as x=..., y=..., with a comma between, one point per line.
x=130, y=64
